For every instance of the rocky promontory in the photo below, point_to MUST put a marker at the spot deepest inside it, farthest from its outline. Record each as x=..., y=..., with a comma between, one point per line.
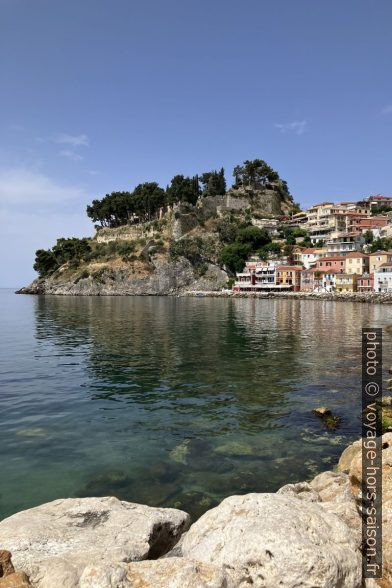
x=305, y=535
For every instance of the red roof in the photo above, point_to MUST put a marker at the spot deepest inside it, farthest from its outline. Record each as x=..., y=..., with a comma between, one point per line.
x=354, y=254
x=309, y=250
x=290, y=267
x=381, y=252
x=332, y=258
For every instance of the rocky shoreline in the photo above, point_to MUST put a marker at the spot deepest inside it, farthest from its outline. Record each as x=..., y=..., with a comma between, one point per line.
x=306, y=534
x=37, y=288
x=364, y=297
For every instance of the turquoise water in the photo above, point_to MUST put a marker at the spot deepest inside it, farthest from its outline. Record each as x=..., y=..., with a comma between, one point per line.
x=173, y=401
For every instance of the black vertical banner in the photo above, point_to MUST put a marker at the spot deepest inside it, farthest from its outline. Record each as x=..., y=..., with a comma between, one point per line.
x=371, y=453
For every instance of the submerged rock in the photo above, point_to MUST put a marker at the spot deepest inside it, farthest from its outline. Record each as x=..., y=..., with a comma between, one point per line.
x=330, y=420
x=276, y=540
x=180, y=453
x=55, y=542
x=235, y=448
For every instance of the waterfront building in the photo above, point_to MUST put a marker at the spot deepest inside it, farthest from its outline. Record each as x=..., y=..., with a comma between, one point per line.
x=308, y=282
x=383, y=278
x=325, y=281
x=289, y=276
x=256, y=278
x=365, y=283
x=346, y=282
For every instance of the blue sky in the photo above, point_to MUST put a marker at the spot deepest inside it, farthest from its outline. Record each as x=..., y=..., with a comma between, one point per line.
x=99, y=95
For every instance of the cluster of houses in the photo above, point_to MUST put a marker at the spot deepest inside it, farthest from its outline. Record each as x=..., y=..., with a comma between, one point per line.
x=338, y=261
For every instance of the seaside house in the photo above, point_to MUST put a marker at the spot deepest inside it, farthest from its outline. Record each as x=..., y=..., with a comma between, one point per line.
x=346, y=282
x=365, y=283
x=356, y=263
x=383, y=278
x=289, y=276
x=325, y=280
x=308, y=281
x=256, y=277
x=378, y=258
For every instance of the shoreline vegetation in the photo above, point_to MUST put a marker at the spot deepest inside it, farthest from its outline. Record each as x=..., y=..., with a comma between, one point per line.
x=313, y=537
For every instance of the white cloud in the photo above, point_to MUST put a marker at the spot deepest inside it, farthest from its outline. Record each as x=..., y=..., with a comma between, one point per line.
x=297, y=126
x=26, y=186
x=387, y=109
x=71, y=155
x=74, y=140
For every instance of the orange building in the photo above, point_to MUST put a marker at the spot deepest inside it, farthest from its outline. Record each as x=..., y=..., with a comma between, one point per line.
x=289, y=275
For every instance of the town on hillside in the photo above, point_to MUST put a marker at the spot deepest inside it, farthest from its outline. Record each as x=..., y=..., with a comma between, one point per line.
x=344, y=256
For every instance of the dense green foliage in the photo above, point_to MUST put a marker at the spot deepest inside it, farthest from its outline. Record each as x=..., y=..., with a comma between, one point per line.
x=146, y=200
x=119, y=208
x=74, y=251
x=65, y=250
x=213, y=183
x=379, y=244
x=234, y=255
x=183, y=189
x=368, y=236
x=256, y=173
x=246, y=239
x=376, y=210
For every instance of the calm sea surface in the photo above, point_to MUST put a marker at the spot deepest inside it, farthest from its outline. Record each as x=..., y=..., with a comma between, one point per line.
x=173, y=401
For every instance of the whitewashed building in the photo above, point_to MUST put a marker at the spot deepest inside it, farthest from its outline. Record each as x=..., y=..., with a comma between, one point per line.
x=383, y=278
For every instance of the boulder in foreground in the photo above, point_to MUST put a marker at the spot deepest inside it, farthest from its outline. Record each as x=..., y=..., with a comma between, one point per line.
x=55, y=542
x=269, y=540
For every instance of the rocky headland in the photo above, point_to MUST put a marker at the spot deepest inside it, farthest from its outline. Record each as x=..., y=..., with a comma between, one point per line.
x=305, y=535
x=179, y=251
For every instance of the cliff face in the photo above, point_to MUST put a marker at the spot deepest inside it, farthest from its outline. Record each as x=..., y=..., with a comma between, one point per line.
x=163, y=277
x=152, y=269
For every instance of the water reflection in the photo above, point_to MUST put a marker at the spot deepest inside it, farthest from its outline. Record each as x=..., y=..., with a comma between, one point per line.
x=177, y=402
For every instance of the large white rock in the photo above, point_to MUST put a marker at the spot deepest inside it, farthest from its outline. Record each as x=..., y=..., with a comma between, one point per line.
x=54, y=543
x=270, y=540
x=176, y=572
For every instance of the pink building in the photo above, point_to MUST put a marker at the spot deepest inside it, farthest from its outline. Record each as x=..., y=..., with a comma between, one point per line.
x=325, y=264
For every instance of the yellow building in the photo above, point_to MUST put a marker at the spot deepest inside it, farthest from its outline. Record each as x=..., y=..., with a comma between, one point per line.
x=356, y=263
x=346, y=282
x=377, y=259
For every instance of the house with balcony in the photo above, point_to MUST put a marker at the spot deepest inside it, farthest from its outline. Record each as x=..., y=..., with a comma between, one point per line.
x=356, y=263
x=289, y=276
x=325, y=281
x=365, y=283
x=256, y=277
x=342, y=243
x=383, y=278
x=346, y=282
x=308, y=280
